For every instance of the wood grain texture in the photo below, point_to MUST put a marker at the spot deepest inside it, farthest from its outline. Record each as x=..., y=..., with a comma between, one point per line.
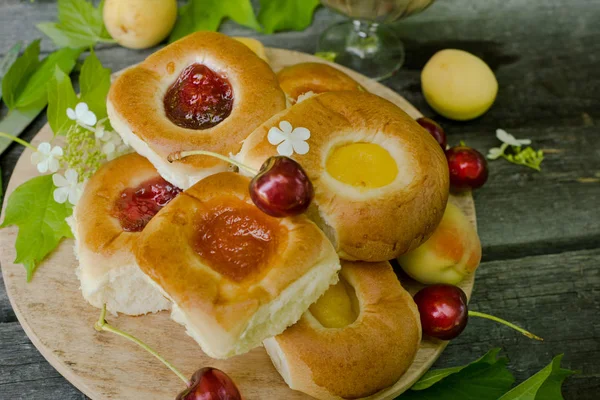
x=60, y=323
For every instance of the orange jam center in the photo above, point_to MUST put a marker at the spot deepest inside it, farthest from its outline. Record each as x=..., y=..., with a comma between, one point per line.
x=237, y=242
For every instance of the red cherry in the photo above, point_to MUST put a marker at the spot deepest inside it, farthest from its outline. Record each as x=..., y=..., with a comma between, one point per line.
x=435, y=130
x=210, y=384
x=443, y=310
x=468, y=167
x=281, y=188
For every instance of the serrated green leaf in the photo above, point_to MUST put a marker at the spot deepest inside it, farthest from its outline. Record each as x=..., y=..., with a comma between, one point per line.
x=8, y=59
x=207, y=15
x=40, y=219
x=94, y=82
x=284, y=15
x=60, y=97
x=34, y=94
x=545, y=385
x=434, y=376
x=17, y=75
x=485, y=380
x=79, y=25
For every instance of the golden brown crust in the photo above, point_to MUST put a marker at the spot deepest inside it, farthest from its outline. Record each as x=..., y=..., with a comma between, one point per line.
x=377, y=224
x=98, y=230
x=137, y=96
x=314, y=77
x=370, y=354
x=165, y=254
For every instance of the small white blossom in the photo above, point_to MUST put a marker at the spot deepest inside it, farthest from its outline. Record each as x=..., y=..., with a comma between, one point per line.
x=82, y=114
x=288, y=139
x=67, y=187
x=305, y=96
x=496, y=152
x=46, y=157
x=509, y=139
x=113, y=145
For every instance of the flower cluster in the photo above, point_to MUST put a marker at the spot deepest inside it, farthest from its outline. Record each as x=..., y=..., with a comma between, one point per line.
x=88, y=144
x=512, y=150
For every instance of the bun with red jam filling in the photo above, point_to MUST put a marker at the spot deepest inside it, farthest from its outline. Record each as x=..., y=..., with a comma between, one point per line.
x=117, y=203
x=206, y=91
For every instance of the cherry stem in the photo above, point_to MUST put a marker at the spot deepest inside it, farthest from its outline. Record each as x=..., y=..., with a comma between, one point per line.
x=102, y=325
x=504, y=322
x=16, y=139
x=178, y=155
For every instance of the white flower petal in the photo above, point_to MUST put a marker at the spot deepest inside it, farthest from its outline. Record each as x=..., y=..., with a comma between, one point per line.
x=99, y=132
x=80, y=109
x=285, y=127
x=44, y=148
x=89, y=118
x=300, y=146
x=301, y=133
x=43, y=166
x=494, y=153
x=524, y=141
x=53, y=164
x=59, y=180
x=275, y=136
x=108, y=148
x=506, y=137
x=61, y=194
x=74, y=195
x=71, y=114
x=72, y=176
x=37, y=157
x=57, y=151
x=285, y=148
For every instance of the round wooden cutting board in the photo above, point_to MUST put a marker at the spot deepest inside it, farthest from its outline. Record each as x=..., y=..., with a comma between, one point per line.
x=61, y=324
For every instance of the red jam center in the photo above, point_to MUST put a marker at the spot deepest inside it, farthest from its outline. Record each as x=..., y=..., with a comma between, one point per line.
x=235, y=242
x=199, y=98
x=136, y=206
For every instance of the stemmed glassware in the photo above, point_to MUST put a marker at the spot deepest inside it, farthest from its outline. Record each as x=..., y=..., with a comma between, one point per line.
x=366, y=43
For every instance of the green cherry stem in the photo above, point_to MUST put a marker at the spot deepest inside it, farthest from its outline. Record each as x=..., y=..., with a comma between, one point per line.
x=102, y=325
x=18, y=140
x=504, y=322
x=178, y=155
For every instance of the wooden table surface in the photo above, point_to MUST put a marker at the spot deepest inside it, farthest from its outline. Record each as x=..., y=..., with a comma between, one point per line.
x=540, y=231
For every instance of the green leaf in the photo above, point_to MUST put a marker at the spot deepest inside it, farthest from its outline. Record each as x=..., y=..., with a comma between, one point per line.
x=40, y=219
x=545, y=385
x=207, y=15
x=34, y=94
x=284, y=15
x=485, y=379
x=60, y=97
x=8, y=59
x=17, y=75
x=434, y=376
x=94, y=82
x=79, y=25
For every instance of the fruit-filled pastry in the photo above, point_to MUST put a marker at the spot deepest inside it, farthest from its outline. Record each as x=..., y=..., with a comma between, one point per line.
x=235, y=275
x=117, y=203
x=206, y=91
x=357, y=339
x=380, y=180
x=300, y=81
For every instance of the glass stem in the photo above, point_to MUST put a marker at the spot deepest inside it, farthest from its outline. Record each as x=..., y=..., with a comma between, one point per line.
x=364, y=42
x=504, y=322
x=102, y=325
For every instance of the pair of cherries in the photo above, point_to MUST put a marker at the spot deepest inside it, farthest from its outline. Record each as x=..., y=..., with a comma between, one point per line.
x=468, y=167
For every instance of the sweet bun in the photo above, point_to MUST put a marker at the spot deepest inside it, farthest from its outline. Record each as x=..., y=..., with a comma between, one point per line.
x=206, y=91
x=235, y=275
x=362, y=357
x=106, y=226
x=381, y=181
x=311, y=77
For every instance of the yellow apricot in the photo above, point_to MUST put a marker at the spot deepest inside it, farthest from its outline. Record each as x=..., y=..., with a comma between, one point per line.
x=458, y=85
x=254, y=45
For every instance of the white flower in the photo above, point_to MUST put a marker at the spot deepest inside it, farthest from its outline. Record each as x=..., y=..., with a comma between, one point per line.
x=496, y=152
x=289, y=140
x=305, y=96
x=507, y=138
x=113, y=145
x=46, y=157
x=82, y=114
x=67, y=187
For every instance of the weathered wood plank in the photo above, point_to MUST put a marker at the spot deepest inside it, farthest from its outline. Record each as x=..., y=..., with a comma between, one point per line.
x=6, y=312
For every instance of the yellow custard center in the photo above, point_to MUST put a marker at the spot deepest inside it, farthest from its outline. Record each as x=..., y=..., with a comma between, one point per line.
x=362, y=165
x=338, y=307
